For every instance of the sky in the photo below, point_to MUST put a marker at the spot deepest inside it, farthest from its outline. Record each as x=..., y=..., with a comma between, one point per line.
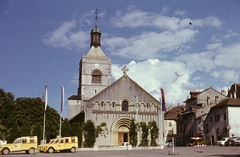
x=180, y=46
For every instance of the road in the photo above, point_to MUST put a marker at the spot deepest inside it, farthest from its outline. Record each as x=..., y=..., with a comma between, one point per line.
x=205, y=151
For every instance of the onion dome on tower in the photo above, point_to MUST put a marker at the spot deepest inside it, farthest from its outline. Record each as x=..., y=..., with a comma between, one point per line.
x=95, y=35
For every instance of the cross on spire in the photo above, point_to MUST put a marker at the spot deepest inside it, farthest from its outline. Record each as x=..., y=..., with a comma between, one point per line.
x=96, y=18
x=125, y=69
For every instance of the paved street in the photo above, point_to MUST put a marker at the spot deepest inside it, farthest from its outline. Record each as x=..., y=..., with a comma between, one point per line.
x=207, y=151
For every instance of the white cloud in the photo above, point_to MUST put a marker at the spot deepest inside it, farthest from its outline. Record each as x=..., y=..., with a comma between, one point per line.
x=65, y=37
x=230, y=34
x=152, y=74
x=179, y=13
x=149, y=44
x=214, y=46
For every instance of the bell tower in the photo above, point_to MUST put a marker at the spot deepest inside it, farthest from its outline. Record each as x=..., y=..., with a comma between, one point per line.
x=94, y=68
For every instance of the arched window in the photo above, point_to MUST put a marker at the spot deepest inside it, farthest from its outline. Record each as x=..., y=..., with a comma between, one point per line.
x=96, y=76
x=125, y=106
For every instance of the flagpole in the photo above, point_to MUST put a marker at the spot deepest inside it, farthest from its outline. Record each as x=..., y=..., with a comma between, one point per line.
x=61, y=110
x=44, y=115
x=163, y=109
x=44, y=119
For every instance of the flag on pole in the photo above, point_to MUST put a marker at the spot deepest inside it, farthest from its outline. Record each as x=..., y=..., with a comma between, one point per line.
x=163, y=100
x=62, y=98
x=46, y=97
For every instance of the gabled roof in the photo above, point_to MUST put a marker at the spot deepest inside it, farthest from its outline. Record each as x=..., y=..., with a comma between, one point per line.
x=124, y=86
x=228, y=102
x=172, y=114
x=195, y=94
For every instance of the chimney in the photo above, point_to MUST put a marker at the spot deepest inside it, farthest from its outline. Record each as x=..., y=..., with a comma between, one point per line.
x=223, y=92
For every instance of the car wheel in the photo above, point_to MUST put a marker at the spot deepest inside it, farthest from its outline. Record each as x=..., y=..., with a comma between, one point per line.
x=50, y=150
x=31, y=151
x=5, y=151
x=73, y=150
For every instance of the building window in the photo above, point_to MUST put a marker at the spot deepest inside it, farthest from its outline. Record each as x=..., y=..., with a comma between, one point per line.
x=113, y=104
x=217, y=118
x=206, y=128
x=225, y=116
x=125, y=106
x=210, y=118
x=102, y=103
x=96, y=76
x=218, y=131
x=170, y=124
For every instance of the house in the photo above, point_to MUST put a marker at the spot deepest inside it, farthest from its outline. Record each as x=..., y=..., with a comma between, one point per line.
x=222, y=120
x=170, y=122
x=190, y=121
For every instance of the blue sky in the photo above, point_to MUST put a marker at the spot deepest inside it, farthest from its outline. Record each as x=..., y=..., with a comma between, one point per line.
x=175, y=45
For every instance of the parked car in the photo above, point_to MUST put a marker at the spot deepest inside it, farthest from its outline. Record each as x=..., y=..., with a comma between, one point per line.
x=222, y=141
x=26, y=143
x=237, y=141
x=231, y=141
x=62, y=144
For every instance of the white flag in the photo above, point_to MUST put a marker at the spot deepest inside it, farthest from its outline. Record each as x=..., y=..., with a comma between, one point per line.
x=62, y=98
x=46, y=97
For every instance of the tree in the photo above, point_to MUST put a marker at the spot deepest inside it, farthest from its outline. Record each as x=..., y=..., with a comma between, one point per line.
x=153, y=132
x=145, y=132
x=7, y=106
x=77, y=131
x=13, y=133
x=37, y=130
x=66, y=129
x=102, y=129
x=133, y=133
x=25, y=129
x=89, y=133
x=24, y=116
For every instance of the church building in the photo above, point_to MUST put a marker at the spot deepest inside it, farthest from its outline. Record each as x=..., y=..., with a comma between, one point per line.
x=100, y=100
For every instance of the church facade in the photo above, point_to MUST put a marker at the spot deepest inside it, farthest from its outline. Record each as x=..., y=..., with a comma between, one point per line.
x=114, y=103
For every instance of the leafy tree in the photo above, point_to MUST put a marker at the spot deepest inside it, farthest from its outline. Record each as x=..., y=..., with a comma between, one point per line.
x=3, y=131
x=13, y=133
x=153, y=132
x=24, y=116
x=89, y=133
x=37, y=130
x=102, y=129
x=25, y=129
x=77, y=131
x=66, y=129
x=133, y=133
x=144, y=127
x=7, y=106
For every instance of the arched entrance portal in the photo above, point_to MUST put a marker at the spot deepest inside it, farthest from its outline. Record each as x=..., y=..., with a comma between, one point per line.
x=120, y=131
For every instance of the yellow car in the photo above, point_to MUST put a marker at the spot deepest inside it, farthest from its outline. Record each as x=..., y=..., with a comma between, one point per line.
x=27, y=144
x=41, y=146
x=62, y=144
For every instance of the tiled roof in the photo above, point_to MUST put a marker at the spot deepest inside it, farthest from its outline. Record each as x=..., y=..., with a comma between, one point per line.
x=229, y=102
x=172, y=114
